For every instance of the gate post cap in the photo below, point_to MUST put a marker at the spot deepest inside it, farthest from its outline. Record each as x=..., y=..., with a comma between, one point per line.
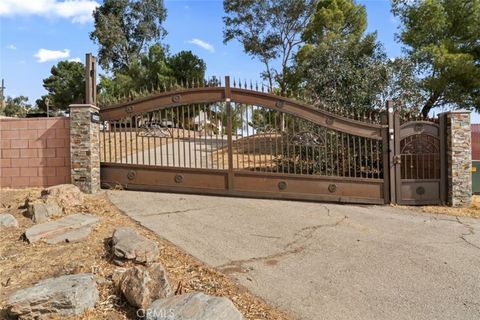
x=83, y=105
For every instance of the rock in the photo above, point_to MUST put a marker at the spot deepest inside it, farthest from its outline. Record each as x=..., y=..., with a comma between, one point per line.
x=128, y=244
x=41, y=212
x=141, y=286
x=193, y=306
x=67, y=295
x=64, y=194
x=8, y=221
x=67, y=229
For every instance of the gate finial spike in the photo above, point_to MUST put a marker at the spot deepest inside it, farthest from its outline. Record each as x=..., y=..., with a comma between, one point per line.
x=234, y=83
x=256, y=85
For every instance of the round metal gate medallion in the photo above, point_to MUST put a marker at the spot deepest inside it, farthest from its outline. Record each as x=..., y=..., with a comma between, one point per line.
x=129, y=109
x=329, y=120
x=420, y=191
x=131, y=175
x=332, y=188
x=282, y=185
x=178, y=178
x=418, y=127
x=280, y=104
x=176, y=98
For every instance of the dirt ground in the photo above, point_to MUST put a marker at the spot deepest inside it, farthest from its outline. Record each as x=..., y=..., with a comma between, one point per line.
x=23, y=264
x=472, y=211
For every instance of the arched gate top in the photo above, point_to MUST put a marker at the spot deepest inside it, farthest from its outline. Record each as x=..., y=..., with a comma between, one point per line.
x=216, y=94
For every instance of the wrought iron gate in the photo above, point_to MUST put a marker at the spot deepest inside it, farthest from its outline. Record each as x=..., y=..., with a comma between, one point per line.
x=237, y=140
x=419, y=167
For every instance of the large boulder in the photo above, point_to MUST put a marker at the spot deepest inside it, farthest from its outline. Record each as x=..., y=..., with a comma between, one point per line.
x=193, y=306
x=128, y=244
x=41, y=212
x=141, y=285
x=68, y=295
x=68, y=229
x=8, y=221
x=64, y=194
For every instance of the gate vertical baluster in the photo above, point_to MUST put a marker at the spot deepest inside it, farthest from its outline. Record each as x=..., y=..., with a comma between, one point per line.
x=160, y=140
x=263, y=111
x=342, y=137
x=336, y=147
x=194, y=136
x=275, y=130
x=254, y=134
x=104, y=133
x=288, y=136
x=229, y=133
x=172, y=112
x=200, y=136
x=126, y=138
x=177, y=122
x=109, y=141
x=212, y=126
x=319, y=149
x=219, y=130
x=247, y=140
x=189, y=136
x=371, y=161
x=154, y=123
x=206, y=133
x=131, y=139
x=241, y=147
x=136, y=139
x=183, y=138
x=120, y=141
x=354, y=156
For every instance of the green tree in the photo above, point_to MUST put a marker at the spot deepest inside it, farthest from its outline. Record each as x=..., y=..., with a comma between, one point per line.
x=151, y=71
x=340, y=65
x=269, y=30
x=65, y=86
x=16, y=107
x=442, y=38
x=124, y=28
x=186, y=66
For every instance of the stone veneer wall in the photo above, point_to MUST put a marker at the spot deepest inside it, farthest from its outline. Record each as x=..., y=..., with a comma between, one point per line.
x=85, y=148
x=459, y=159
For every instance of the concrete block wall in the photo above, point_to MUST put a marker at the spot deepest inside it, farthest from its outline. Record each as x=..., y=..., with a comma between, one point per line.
x=34, y=152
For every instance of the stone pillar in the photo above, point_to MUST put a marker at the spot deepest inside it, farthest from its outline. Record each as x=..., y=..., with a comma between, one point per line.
x=459, y=158
x=85, y=147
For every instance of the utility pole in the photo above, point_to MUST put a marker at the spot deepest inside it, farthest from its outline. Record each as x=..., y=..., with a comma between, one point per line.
x=2, y=94
x=47, y=102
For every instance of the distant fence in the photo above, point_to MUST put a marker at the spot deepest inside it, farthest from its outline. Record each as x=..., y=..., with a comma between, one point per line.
x=475, y=141
x=35, y=152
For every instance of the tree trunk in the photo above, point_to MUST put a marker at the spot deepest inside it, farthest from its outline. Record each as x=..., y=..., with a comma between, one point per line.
x=429, y=104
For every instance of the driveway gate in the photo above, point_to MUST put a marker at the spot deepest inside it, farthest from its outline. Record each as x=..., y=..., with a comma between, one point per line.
x=238, y=140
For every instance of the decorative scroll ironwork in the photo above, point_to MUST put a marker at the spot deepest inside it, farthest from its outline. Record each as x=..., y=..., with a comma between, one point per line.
x=420, y=157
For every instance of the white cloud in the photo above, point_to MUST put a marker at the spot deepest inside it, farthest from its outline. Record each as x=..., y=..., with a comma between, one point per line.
x=77, y=59
x=202, y=44
x=78, y=11
x=11, y=47
x=44, y=55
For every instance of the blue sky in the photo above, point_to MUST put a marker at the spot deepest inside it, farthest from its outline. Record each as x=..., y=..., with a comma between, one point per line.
x=62, y=30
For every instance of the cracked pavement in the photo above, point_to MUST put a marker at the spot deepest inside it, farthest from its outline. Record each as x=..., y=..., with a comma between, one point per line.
x=326, y=261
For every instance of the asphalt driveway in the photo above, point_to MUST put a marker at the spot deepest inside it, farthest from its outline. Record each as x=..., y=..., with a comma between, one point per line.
x=326, y=261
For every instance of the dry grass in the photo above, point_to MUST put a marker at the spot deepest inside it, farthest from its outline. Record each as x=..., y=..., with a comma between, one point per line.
x=473, y=211
x=23, y=264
